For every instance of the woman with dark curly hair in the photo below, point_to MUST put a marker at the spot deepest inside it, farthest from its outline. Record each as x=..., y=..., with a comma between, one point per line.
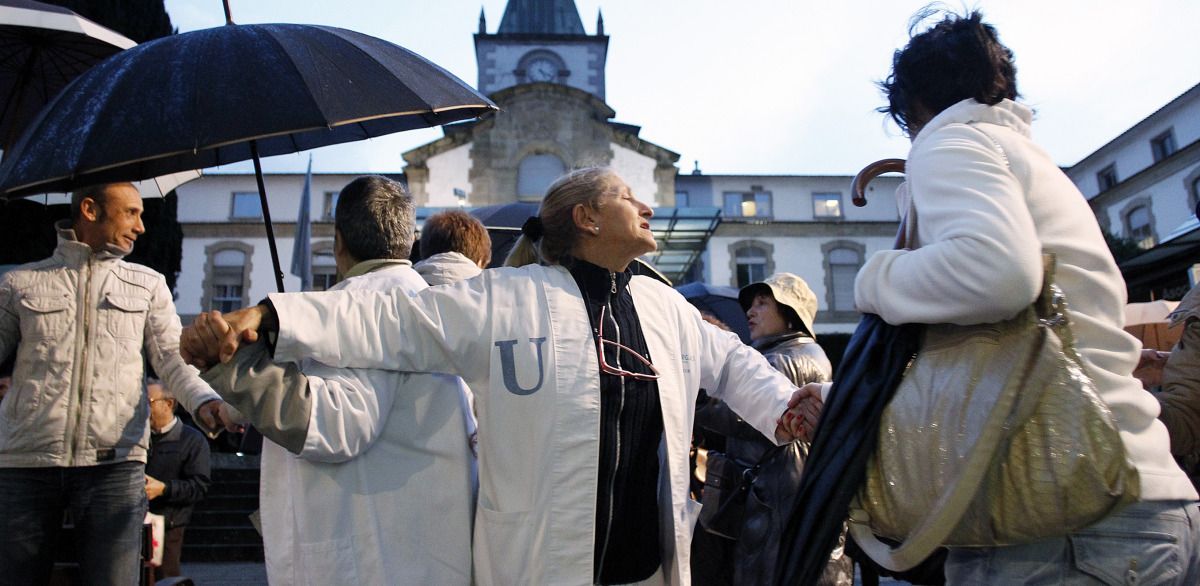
x=986, y=202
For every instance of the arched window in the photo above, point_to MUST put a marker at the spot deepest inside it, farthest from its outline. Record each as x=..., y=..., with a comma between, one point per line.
x=536, y=173
x=751, y=265
x=843, y=258
x=227, y=276
x=324, y=268
x=1139, y=224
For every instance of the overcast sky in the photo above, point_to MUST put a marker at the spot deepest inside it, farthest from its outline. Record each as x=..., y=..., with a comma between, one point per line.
x=782, y=86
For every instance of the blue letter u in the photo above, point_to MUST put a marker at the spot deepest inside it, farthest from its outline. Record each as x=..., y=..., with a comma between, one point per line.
x=507, y=364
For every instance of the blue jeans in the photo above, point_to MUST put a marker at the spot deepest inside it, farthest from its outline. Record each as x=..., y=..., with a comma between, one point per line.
x=1153, y=542
x=107, y=504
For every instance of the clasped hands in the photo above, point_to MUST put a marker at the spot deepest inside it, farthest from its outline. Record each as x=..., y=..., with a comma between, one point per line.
x=214, y=337
x=799, y=421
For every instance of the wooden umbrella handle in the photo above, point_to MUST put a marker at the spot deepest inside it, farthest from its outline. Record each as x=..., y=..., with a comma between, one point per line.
x=858, y=187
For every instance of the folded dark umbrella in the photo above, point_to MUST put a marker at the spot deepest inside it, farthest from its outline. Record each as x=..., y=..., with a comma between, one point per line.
x=870, y=371
x=228, y=94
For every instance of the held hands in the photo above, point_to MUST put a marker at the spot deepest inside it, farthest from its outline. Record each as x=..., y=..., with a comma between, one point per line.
x=802, y=415
x=154, y=487
x=214, y=337
x=1150, y=367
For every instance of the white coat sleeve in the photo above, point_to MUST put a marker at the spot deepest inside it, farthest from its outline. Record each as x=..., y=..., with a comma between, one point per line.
x=444, y=329
x=739, y=375
x=980, y=257
x=349, y=409
x=161, y=344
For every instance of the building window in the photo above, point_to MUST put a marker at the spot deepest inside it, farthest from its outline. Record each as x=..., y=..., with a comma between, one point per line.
x=827, y=206
x=1163, y=145
x=324, y=267
x=750, y=261
x=748, y=205
x=1106, y=178
x=330, y=205
x=842, y=261
x=246, y=206
x=227, y=276
x=1139, y=224
x=682, y=199
x=536, y=173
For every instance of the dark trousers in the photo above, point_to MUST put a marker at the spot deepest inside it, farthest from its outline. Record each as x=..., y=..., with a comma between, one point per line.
x=172, y=548
x=107, y=504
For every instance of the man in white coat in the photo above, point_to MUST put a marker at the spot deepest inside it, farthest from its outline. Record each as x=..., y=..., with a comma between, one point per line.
x=367, y=477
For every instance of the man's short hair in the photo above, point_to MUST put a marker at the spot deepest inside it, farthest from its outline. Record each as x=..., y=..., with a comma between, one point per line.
x=375, y=215
x=96, y=192
x=456, y=231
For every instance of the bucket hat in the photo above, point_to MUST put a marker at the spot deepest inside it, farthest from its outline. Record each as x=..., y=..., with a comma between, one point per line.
x=788, y=290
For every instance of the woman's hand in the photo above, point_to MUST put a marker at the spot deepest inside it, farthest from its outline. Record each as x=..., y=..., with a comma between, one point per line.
x=802, y=415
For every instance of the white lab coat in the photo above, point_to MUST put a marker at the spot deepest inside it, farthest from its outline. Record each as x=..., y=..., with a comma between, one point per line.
x=539, y=429
x=381, y=492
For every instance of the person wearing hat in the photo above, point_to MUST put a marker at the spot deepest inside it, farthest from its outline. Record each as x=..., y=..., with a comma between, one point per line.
x=780, y=311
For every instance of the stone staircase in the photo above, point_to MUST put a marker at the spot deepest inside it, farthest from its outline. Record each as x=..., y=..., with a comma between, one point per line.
x=220, y=530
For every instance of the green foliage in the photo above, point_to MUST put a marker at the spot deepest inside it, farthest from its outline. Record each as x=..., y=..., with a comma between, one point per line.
x=1122, y=248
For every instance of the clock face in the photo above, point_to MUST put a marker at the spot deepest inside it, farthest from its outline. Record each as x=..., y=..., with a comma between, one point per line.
x=541, y=69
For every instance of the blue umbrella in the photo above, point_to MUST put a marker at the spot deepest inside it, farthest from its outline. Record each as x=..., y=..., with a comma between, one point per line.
x=721, y=302
x=228, y=94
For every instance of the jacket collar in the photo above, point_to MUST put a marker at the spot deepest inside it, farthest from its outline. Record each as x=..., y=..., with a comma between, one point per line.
x=764, y=344
x=447, y=267
x=596, y=281
x=378, y=264
x=1007, y=113
x=75, y=253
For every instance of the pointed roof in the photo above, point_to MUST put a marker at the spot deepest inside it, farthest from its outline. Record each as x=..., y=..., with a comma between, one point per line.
x=541, y=17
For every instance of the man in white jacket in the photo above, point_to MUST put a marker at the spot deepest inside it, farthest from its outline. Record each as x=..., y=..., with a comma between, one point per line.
x=367, y=477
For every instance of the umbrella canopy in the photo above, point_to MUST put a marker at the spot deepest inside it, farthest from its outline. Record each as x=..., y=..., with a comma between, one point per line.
x=42, y=48
x=213, y=96
x=721, y=302
x=228, y=94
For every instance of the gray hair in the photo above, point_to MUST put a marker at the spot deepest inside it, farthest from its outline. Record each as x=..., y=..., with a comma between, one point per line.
x=588, y=186
x=166, y=392
x=375, y=217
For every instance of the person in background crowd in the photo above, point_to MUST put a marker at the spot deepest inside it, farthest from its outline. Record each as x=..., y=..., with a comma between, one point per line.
x=454, y=246
x=780, y=312
x=985, y=203
x=367, y=474
x=177, y=473
x=73, y=431
x=581, y=372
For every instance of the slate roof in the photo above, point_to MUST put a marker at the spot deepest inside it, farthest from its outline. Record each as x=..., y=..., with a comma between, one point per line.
x=541, y=17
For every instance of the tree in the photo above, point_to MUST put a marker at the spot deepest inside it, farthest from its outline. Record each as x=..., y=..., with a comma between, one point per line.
x=1122, y=248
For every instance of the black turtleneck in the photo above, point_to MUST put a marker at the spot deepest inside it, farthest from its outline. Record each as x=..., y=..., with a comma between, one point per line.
x=631, y=427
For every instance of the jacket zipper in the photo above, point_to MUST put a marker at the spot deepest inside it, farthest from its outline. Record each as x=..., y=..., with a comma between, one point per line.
x=612, y=481
x=81, y=374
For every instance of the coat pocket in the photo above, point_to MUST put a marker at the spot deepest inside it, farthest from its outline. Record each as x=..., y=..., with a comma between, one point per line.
x=44, y=317
x=124, y=316
x=328, y=562
x=503, y=543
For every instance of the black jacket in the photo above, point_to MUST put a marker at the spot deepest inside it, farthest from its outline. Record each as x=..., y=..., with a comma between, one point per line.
x=178, y=458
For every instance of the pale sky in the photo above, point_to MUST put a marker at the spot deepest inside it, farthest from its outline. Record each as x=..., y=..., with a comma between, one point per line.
x=781, y=86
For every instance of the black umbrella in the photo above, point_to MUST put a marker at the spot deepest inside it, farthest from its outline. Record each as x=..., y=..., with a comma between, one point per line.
x=504, y=221
x=721, y=302
x=42, y=48
x=228, y=94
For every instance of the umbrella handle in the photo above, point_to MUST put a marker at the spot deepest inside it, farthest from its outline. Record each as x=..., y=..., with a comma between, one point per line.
x=858, y=186
x=262, y=197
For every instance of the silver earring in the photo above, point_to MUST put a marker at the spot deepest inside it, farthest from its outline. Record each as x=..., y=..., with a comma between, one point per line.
x=596, y=229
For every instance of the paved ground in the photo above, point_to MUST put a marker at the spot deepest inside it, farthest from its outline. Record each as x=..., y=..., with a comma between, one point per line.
x=248, y=573
x=226, y=573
